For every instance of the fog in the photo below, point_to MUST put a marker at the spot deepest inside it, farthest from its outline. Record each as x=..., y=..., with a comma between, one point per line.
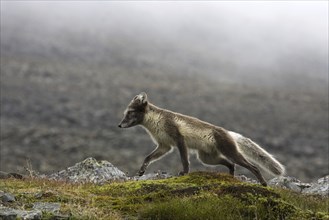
x=68, y=70
x=239, y=36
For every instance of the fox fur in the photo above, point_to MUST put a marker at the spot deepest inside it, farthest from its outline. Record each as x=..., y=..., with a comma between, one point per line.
x=214, y=145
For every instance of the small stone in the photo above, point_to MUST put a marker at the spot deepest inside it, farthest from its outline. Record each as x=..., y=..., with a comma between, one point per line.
x=303, y=185
x=4, y=175
x=16, y=175
x=7, y=197
x=243, y=178
x=323, y=180
x=43, y=194
x=47, y=206
x=153, y=176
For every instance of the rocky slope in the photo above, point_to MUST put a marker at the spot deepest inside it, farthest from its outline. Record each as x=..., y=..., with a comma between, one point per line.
x=49, y=203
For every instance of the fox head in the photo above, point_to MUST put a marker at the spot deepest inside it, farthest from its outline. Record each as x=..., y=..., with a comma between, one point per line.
x=134, y=114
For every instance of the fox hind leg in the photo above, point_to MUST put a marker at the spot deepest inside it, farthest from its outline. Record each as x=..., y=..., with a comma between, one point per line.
x=236, y=157
x=228, y=164
x=214, y=159
x=228, y=148
x=240, y=160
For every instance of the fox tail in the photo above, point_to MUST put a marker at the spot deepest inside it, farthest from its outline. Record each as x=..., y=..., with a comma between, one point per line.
x=257, y=155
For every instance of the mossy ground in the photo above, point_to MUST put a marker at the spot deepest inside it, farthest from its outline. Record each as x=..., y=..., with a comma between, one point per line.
x=200, y=195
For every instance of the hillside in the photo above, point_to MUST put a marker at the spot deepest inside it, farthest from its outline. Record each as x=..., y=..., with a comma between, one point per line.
x=200, y=195
x=45, y=112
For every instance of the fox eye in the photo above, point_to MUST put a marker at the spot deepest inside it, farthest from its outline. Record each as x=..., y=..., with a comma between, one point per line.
x=131, y=112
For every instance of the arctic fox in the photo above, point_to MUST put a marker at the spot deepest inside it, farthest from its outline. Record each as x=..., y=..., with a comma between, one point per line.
x=214, y=145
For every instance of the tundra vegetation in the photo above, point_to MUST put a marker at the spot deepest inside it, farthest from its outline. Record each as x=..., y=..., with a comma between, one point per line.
x=198, y=195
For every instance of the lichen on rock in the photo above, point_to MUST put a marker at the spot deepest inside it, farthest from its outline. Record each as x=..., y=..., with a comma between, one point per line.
x=90, y=170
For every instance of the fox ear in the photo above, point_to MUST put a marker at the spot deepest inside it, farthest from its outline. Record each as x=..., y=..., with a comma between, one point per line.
x=142, y=97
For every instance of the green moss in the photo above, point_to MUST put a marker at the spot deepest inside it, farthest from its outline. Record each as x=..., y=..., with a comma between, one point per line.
x=200, y=195
x=205, y=207
x=241, y=190
x=205, y=178
x=309, y=202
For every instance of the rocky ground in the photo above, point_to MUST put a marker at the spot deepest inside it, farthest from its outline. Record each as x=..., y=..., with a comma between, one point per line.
x=103, y=172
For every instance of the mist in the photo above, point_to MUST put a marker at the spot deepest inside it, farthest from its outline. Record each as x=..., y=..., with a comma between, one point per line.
x=68, y=70
x=214, y=36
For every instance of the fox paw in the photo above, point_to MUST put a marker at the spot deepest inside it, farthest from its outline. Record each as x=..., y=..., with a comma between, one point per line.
x=141, y=172
x=264, y=183
x=182, y=173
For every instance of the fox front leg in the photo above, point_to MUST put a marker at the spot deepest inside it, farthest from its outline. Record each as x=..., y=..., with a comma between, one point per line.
x=158, y=152
x=184, y=157
x=142, y=169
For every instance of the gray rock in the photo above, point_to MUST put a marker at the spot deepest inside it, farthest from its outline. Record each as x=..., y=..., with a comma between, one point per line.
x=288, y=182
x=47, y=207
x=33, y=214
x=320, y=187
x=9, y=213
x=153, y=176
x=243, y=178
x=90, y=170
x=7, y=197
x=16, y=175
x=4, y=175
x=323, y=180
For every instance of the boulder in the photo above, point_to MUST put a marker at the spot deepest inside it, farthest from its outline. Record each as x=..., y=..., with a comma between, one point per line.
x=6, y=197
x=10, y=213
x=288, y=182
x=47, y=207
x=90, y=170
x=320, y=187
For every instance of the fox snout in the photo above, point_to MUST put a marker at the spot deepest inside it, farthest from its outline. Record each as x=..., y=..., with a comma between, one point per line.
x=121, y=125
x=124, y=123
